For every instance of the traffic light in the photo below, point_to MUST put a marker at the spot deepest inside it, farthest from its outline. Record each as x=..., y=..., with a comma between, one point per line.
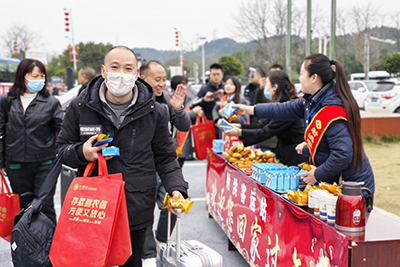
x=15, y=47
x=67, y=23
x=177, y=38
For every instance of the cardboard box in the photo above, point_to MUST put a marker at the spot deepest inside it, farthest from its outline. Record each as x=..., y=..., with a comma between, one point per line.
x=229, y=141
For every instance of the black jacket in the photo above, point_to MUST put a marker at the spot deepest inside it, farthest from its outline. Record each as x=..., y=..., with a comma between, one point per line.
x=207, y=106
x=144, y=143
x=29, y=136
x=289, y=133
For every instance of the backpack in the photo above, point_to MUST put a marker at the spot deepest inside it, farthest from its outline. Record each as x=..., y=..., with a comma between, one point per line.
x=33, y=231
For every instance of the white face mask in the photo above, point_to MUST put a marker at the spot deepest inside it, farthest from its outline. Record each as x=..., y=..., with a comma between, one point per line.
x=120, y=84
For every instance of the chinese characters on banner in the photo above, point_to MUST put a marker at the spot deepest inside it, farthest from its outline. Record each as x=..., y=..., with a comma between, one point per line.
x=266, y=229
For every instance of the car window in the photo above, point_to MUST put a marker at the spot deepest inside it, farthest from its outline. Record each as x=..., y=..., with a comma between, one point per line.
x=359, y=85
x=353, y=86
x=382, y=87
x=371, y=85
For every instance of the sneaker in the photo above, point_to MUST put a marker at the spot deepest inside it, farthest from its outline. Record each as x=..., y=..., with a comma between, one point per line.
x=159, y=245
x=151, y=262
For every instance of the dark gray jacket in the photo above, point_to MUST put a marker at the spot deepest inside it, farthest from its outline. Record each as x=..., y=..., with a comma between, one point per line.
x=143, y=140
x=29, y=136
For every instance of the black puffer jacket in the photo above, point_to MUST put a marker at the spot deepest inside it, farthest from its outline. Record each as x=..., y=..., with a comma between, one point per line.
x=29, y=136
x=144, y=143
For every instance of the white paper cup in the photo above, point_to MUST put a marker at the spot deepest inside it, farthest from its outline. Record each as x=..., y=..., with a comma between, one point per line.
x=322, y=204
x=331, y=208
x=311, y=199
x=316, y=201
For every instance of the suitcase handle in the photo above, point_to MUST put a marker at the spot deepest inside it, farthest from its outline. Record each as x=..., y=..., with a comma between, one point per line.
x=178, y=234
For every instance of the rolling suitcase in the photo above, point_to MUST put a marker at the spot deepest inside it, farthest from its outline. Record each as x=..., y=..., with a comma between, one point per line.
x=192, y=253
x=67, y=176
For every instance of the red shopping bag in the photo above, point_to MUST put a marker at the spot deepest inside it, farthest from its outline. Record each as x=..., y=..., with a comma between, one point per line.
x=86, y=231
x=9, y=208
x=121, y=246
x=203, y=136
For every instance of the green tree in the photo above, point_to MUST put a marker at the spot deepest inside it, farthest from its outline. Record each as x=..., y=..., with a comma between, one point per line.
x=352, y=65
x=231, y=66
x=391, y=63
x=90, y=54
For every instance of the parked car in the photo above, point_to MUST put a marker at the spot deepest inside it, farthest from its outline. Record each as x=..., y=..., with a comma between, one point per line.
x=67, y=97
x=360, y=90
x=384, y=98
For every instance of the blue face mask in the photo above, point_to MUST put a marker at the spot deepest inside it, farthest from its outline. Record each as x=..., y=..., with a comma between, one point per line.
x=267, y=94
x=35, y=86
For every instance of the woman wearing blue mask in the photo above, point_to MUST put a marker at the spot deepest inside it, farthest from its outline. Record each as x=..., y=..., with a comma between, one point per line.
x=278, y=89
x=29, y=120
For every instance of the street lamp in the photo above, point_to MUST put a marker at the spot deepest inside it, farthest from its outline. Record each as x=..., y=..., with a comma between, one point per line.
x=202, y=58
x=367, y=39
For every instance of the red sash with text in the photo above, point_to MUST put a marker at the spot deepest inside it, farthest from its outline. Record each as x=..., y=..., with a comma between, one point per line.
x=320, y=123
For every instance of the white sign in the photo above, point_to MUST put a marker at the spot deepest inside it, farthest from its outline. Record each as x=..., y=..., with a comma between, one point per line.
x=39, y=55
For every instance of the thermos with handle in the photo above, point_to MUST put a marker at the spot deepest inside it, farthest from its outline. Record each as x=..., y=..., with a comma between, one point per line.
x=351, y=208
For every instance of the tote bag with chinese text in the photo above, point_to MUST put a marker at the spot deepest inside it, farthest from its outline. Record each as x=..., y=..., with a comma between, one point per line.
x=203, y=136
x=9, y=208
x=86, y=229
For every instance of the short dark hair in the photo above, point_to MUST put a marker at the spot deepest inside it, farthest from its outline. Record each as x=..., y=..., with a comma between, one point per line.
x=177, y=80
x=89, y=72
x=120, y=46
x=276, y=66
x=26, y=66
x=216, y=66
x=146, y=67
x=261, y=71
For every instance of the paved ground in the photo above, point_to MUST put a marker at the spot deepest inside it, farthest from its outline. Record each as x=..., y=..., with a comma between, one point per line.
x=196, y=225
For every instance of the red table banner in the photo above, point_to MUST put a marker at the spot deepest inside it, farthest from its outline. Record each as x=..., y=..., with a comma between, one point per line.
x=265, y=228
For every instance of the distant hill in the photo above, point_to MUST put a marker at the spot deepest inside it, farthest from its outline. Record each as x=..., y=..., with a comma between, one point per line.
x=213, y=50
x=226, y=46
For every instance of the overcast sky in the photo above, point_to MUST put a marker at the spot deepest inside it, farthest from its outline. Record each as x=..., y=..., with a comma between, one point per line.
x=146, y=23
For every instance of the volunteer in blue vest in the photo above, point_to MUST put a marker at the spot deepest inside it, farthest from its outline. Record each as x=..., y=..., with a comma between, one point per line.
x=332, y=120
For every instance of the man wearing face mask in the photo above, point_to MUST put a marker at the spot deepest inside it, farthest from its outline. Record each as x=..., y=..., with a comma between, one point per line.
x=121, y=105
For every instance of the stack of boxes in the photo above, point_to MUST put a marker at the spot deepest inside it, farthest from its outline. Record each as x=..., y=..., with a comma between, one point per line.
x=276, y=177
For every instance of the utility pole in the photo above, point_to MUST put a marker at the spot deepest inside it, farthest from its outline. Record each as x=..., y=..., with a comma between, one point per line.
x=203, y=80
x=178, y=43
x=289, y=36
x=68, y=25
x=332, y=45
x=308, y=34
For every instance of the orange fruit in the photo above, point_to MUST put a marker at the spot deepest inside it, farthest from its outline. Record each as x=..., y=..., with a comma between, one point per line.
x=101, y=137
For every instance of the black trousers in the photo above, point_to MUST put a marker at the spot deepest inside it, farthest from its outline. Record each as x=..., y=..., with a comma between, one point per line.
x=28, y=177
x=149, y=249
x=137, y=240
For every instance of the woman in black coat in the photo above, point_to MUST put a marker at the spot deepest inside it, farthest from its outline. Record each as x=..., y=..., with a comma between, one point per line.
x=30, y=119
x=289, y=133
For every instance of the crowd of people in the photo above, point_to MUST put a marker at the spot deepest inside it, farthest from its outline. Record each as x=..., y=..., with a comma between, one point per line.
x=133, y=106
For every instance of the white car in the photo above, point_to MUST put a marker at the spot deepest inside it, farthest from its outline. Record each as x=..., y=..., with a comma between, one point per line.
x=68, y=96
x=361, y=89
x=384, y=98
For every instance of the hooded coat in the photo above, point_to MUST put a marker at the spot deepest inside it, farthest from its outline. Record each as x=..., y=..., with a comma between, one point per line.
x=143, y=138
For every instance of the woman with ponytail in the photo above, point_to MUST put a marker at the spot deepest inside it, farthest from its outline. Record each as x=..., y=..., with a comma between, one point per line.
x=332, y=121
x=278, y=89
